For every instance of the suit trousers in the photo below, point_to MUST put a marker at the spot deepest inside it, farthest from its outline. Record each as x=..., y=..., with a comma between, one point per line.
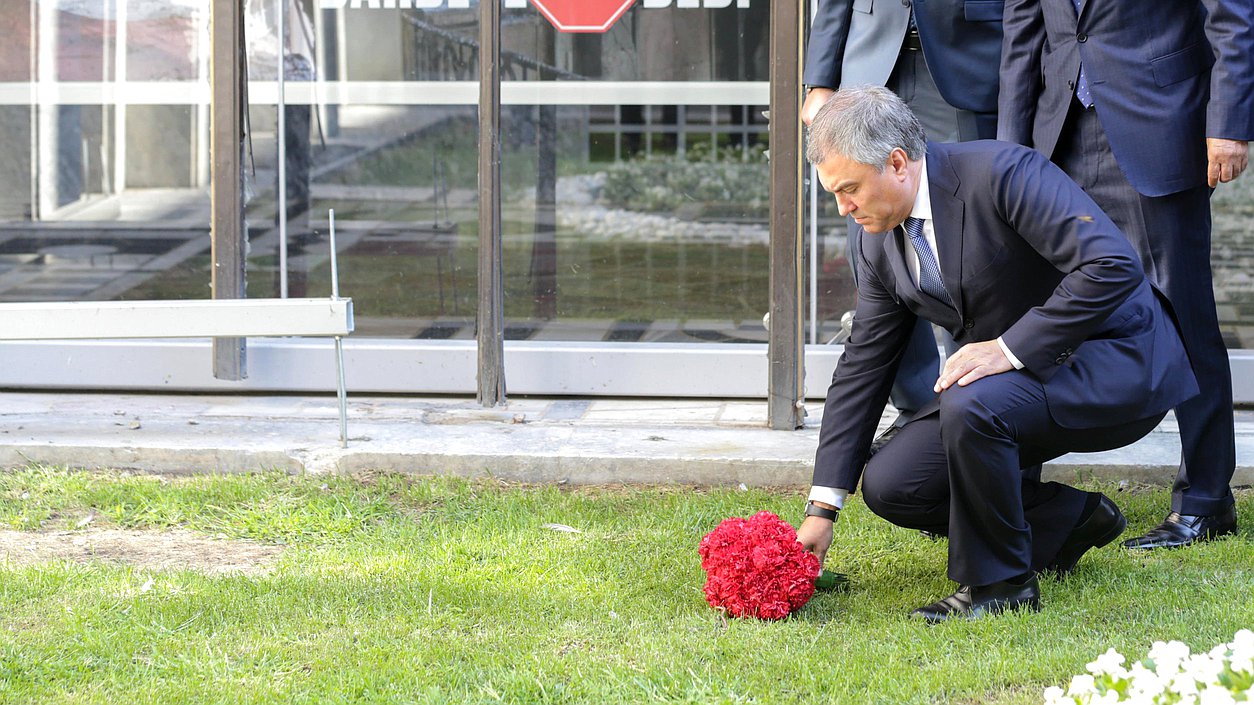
x=960, y=472
x=920, y=364
x=1172, y=236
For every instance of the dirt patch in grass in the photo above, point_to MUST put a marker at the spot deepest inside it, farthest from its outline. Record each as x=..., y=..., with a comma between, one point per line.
x=149, y=550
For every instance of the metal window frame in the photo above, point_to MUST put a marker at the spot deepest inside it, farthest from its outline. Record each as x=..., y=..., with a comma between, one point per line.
x=229, y=248
x=490, y=321
x=786, y=351
x=437, y=367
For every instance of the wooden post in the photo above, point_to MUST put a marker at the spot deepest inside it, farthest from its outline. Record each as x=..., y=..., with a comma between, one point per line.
x=226, y=75
x=786, y=349
x=491, y=317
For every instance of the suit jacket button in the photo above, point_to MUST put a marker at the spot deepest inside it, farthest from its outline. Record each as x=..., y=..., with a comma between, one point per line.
x=1060, y=359
x=968, y=324
x=1082, y=37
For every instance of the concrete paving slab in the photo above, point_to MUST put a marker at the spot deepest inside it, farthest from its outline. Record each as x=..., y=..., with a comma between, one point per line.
x=576, y=441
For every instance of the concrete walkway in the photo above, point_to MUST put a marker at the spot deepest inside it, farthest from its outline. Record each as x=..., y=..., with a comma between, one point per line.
x=578, y=441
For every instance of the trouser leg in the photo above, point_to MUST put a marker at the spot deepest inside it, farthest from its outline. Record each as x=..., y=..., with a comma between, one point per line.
x=913, y=83
x=1172, y=236
x=960, y=472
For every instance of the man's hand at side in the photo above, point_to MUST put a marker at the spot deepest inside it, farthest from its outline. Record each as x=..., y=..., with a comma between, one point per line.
x=972, y=362
x=815, y=534
x=815, y=99
x=1225, y=159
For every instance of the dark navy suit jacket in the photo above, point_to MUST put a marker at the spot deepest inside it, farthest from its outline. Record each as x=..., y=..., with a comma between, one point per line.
x=857, y=41
x=1164, y=74
x=1027, y=256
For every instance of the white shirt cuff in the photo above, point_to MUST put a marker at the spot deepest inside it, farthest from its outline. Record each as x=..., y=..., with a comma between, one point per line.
x=1009, y=355
x=828, y=495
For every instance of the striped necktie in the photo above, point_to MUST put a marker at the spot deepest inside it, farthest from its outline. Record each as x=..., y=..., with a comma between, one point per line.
x=929, y=271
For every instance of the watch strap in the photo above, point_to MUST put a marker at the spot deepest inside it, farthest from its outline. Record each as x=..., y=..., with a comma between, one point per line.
x=814, y=510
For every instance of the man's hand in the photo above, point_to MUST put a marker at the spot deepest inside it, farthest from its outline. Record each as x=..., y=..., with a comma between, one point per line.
x=815, y=99
x=815, y=534
x=1226, y=159
x=972, y=362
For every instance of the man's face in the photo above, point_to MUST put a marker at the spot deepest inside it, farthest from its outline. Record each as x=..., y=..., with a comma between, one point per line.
x=877, y=200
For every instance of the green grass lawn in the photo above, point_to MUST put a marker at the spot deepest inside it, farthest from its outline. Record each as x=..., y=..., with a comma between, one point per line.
x=393, y=589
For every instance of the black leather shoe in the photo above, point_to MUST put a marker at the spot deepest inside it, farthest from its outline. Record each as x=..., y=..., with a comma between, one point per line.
x=976, y=602
x=1183, y=529
x=1103, y=526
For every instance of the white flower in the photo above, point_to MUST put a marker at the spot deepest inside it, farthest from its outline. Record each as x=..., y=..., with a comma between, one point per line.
x=1110, y=697
x=1110, y=663
x=1182, y=684
x=1243, y=645
x=1215, y=695
x=1144, y=683
x=1203, y=668
x=1055, y=696
x=1170, y=674
x=1082, y=685
x=1167, y=656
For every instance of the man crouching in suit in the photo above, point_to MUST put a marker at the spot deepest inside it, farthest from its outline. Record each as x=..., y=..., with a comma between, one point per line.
x=1065, y=347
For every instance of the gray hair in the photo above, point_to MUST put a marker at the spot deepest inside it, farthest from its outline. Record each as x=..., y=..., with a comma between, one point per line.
x=865, y=124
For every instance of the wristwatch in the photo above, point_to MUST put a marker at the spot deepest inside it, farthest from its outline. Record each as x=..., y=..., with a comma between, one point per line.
x=814, y=510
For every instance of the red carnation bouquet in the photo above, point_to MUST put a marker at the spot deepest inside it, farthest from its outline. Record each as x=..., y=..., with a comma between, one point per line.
x=756, y=567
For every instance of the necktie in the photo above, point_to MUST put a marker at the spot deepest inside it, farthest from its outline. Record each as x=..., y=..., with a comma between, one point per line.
x=929, y=271
x=1082, y=92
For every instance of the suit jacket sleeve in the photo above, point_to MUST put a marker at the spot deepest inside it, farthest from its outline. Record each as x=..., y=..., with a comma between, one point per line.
x=860, y=386
x=826, y=49
x=1053, y=215
x=1023, y=38
x=1230, y=30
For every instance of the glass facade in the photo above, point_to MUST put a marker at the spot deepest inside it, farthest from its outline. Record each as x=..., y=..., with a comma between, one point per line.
x=103, y=149
x=629, y=215
x=635, y=187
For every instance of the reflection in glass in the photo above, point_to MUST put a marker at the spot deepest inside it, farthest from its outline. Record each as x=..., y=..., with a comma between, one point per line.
x=622, y=222
x=661, y=244
x=103, y=149
x=1232, y=259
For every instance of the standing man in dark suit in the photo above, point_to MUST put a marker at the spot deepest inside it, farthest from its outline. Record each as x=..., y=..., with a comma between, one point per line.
x=941, y=57
x=1065, y=347
x=1148, y=104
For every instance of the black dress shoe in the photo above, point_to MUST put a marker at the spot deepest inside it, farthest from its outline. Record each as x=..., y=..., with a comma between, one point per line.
x=1183, y=529
x=976, y=602
x=1103, y=526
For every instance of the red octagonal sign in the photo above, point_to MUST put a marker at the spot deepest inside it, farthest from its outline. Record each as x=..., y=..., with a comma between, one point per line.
x=582, y=15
